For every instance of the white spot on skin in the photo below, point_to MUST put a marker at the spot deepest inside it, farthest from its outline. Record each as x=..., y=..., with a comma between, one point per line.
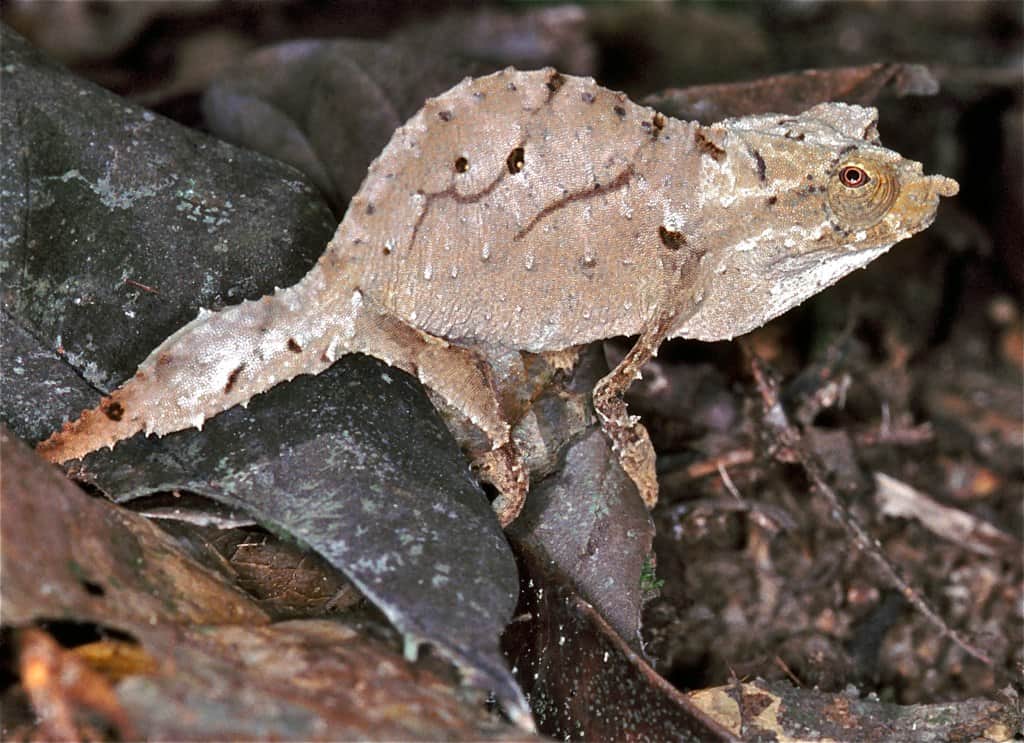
x=485, y=252
x=332, y=349
x=752, y=242
x=674, y=222
x=428, y=272
x=349, y=325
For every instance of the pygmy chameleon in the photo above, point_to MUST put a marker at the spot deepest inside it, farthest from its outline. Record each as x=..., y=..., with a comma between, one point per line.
x=535, y=212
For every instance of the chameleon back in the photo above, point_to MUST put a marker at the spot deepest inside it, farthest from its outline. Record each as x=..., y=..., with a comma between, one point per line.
x=520, y=209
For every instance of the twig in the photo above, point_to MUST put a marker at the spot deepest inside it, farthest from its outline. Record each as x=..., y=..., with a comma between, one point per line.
x=705, y=467
x=727, y=481
x=788, y=671
x=887, y=435
x=792, y=448
x=137, y=285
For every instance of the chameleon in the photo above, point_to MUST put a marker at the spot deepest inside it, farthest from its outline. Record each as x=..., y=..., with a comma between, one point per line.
x=532, y=212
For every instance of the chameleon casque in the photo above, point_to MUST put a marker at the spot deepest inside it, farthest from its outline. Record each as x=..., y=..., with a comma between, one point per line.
x=535, y=212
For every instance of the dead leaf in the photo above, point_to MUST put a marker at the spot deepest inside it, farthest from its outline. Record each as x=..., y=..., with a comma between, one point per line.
x=582, y=679
x=788, y=715
x=298, y=680
x=67, y=695
x=66, y=554
x=794, y=92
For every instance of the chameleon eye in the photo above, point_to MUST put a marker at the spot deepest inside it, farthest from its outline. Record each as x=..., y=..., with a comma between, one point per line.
x=860, y=194
x=853, y=176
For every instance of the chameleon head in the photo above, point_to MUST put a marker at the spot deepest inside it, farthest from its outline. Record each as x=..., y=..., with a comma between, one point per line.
x=808, y=200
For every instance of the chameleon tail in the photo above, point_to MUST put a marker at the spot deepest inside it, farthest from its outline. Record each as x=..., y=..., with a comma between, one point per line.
x=218, y=360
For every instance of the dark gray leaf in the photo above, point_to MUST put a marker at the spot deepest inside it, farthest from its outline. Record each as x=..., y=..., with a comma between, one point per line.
x=588, y=520
x=584, y=682
x=355, y=464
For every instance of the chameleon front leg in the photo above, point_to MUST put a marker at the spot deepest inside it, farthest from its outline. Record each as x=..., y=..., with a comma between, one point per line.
x=629, y=438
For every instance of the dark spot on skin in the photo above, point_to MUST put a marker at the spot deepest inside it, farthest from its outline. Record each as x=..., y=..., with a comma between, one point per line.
x=164, y=359
x=386, y=250
x=512, y=87
x=847, y=148
x=114, y=411
x=658, y=121
x=555, y=81
x=588, y=261
x=772, y=200
x=444, y=115
x=232, y=378
x=461, y=165
x=795, y=136
x=707, y=147
x=671, y=239
x=293, y=346
x=762, y=169
x=587, y=97
x=370, y=208
x=810, y=176
x=654, y=126
x=621, y=180
x=619, y=111
x=324, y=359
x=516, y=161
x=92, y=588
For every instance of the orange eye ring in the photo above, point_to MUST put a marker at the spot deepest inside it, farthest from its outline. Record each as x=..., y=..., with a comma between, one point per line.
x=853, y=176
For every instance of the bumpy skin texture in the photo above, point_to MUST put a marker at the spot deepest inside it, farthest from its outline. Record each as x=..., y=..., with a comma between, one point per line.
x=535, y=212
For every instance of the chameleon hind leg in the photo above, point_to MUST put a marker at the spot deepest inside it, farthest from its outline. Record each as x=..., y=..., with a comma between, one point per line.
x=464, y=381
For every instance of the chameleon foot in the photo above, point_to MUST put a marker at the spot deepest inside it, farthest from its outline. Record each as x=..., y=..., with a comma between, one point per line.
x=504, y=469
